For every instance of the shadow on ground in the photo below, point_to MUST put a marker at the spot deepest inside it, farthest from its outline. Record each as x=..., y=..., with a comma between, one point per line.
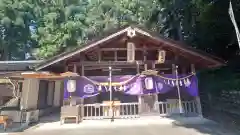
x=204, y=126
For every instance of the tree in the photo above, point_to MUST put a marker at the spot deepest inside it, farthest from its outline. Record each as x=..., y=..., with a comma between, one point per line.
x=64, y=25
x=60, y=25
x=15, y=36
x=48, y=27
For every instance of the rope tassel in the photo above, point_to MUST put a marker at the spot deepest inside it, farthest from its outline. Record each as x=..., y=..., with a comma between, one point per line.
x=173, y=83
x=100, y=88
x=180, y=83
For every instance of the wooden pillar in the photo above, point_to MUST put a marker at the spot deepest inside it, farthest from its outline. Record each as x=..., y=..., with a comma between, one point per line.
x=82, y=99
x=99, y=55
x=74, y=99
x=145, y=58
x=75, y=68
x=197, y=99
x=139, y=96
x=115, y=56
x=65, y=66
x=82, y=72
x=138, y=68
x=193, y=68
x=173, y=69
x=153, y=65
x=156, y=95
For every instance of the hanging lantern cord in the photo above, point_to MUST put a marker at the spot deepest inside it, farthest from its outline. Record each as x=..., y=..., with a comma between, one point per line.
x=179, y=94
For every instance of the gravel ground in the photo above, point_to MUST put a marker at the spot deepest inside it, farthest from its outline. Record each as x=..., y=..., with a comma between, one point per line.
x=132, y=127
x=137, y=130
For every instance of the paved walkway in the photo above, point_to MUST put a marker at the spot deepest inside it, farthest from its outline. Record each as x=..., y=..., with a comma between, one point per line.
x=141, y=126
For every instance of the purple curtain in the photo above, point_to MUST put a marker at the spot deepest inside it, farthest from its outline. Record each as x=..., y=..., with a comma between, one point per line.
x=136, y=85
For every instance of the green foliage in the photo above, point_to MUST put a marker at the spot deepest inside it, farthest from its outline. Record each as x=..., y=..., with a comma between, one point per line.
x=15, y=38
x=65, y=24
x=70, y=24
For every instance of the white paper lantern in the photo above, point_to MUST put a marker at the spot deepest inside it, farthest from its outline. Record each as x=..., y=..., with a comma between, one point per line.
x=71, y=85
x=149, y=83
x=130, y=52
x=161, y=56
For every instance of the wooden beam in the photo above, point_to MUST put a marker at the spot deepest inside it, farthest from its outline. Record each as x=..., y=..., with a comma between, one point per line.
x=118, y=58
x=125, y=49
x=103, y=67
x=119, y=63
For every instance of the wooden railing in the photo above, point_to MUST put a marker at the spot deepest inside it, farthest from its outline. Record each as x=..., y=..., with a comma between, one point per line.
x=118, y=110
x=188, y=107
x=131, y=110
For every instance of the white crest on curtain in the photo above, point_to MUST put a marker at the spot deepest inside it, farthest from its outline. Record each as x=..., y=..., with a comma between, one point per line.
x=71, y=85
x=88, y=88
x=149, y=83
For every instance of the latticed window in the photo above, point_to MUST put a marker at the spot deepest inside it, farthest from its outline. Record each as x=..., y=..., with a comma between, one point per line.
x=130, y=52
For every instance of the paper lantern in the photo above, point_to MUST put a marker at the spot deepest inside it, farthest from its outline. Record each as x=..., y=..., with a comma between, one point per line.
x=148, y=83
x=161, y=56
x=71, y=85
x=130, y=52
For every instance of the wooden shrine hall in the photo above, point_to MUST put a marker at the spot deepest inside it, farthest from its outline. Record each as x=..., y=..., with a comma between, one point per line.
x=110, y=77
